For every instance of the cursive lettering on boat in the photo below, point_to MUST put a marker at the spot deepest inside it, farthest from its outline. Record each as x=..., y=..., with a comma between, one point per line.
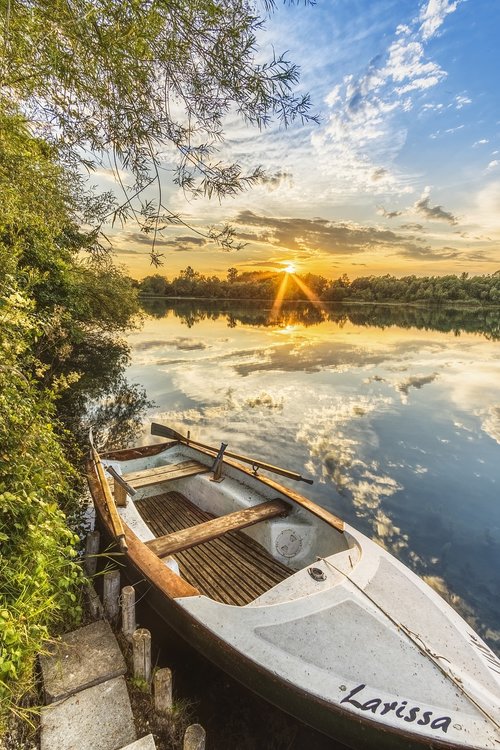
x=402, y=711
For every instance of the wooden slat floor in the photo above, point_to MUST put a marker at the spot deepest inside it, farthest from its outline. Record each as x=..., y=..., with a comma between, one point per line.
x=232, y=569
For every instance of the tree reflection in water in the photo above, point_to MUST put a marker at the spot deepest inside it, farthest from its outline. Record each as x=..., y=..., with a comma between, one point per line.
x=457, y=320
x=102, y=398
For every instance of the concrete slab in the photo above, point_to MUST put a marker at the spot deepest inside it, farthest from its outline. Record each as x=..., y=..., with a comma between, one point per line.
x=145, y=743
x=81, y=659
x=98, y=718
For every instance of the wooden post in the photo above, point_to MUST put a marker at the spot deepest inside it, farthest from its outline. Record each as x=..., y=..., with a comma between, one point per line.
x=162, y=683
x=194, y=738
x=111, y=594
x=92, y=543
x=128, y=611
x=96, y=610
x=141, y=643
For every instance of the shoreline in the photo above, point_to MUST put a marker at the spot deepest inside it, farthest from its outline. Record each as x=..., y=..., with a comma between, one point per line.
x=471, y=304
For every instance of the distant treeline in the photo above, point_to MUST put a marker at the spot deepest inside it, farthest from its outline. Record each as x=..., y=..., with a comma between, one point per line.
x=261, y=285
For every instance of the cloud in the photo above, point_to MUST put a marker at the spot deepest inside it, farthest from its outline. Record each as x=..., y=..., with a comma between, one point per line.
x=433, y=15
x=388, y=214
x=112, y=175
x=481, y=142
x=379, y=174
x=276, y=180
x=414, y=381
x=484, y=213
x=264, y=401
x=412, y=227
x=433, y=213
x=125, y=241
x=427, y=253
x=336, y=238
x=366, y=129
x=310, y=237
x=447, y=131
x=493, y=165
x=462, y=101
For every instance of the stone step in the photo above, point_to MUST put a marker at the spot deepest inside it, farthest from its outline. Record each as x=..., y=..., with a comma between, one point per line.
x=145, y=743
x=81, y=659
x=97, y=718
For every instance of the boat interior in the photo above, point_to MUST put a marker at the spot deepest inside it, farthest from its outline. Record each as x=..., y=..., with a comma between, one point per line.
x=234, y=539
x=230, y=568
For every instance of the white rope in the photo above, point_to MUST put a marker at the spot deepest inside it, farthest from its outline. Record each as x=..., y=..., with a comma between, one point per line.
x=421, y=645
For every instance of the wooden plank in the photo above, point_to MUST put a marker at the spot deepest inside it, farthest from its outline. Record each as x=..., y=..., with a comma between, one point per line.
x=116, y=521
x=159, y=474
x=172, y=511
x=204, y=532
x=232, y=569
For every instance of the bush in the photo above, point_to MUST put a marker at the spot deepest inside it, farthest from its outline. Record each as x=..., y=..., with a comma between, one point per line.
x=39, y=574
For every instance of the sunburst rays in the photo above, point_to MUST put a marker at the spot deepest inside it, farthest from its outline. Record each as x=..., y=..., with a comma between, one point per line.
x=289, y=273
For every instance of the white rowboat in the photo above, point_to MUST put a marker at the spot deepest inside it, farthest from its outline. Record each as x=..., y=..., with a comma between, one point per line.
x=301, y=608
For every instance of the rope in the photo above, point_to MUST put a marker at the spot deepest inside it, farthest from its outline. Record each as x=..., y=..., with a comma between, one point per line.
x=421, y=645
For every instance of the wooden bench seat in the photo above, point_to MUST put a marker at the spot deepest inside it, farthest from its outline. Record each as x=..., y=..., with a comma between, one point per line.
x=208, y=530
x=159, y=474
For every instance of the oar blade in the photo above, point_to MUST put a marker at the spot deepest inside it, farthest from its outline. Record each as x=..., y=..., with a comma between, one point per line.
x=164, y=431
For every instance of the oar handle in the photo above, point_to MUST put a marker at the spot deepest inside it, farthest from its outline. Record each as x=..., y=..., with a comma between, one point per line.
x=164, y=431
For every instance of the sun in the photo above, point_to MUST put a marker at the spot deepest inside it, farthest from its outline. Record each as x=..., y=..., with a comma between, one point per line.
x=290, y=268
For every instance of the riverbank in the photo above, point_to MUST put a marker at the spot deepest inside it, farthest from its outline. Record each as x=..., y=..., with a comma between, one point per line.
x=438, y=304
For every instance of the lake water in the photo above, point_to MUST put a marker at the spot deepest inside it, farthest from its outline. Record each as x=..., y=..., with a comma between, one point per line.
x=394, y=412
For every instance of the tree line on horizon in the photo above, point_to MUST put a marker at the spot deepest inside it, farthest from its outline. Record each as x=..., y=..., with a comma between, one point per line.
x=451, y=288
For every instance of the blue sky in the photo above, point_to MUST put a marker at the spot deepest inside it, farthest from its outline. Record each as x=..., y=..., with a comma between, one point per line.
x=402, y=174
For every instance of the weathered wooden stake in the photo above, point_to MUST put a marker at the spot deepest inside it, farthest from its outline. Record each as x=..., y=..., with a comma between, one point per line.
x=128, y=611
x=111, y=594
x=162, y=683
x=92, y=543
x=94, y=604
x=141, y=643
x=194, y=738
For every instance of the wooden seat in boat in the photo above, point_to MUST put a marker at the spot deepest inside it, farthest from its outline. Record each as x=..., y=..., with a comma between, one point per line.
x=159, y=474
x=233, y=568
x=177, y=541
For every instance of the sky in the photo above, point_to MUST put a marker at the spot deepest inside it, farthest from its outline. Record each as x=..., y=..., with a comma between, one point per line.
x=400, y=176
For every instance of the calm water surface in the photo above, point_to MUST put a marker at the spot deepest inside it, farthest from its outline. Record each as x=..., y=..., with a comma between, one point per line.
x=395, y=414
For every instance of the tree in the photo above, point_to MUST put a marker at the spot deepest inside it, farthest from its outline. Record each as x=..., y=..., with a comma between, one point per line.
x=143, y=81
x=155, y=285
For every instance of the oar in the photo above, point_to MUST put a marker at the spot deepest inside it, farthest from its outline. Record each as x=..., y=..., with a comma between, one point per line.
x=116, y=521
x=163, y=431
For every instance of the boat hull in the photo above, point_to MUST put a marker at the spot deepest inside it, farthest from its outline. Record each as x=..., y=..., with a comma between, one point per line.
x=172, y=599
x=328, y=718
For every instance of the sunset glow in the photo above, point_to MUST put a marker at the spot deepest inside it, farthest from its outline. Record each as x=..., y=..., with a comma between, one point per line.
x=402, y=174
x=279, y=298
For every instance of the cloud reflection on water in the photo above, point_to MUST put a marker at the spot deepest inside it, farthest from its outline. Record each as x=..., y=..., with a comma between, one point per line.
x=399, y=426
x=491, y=423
